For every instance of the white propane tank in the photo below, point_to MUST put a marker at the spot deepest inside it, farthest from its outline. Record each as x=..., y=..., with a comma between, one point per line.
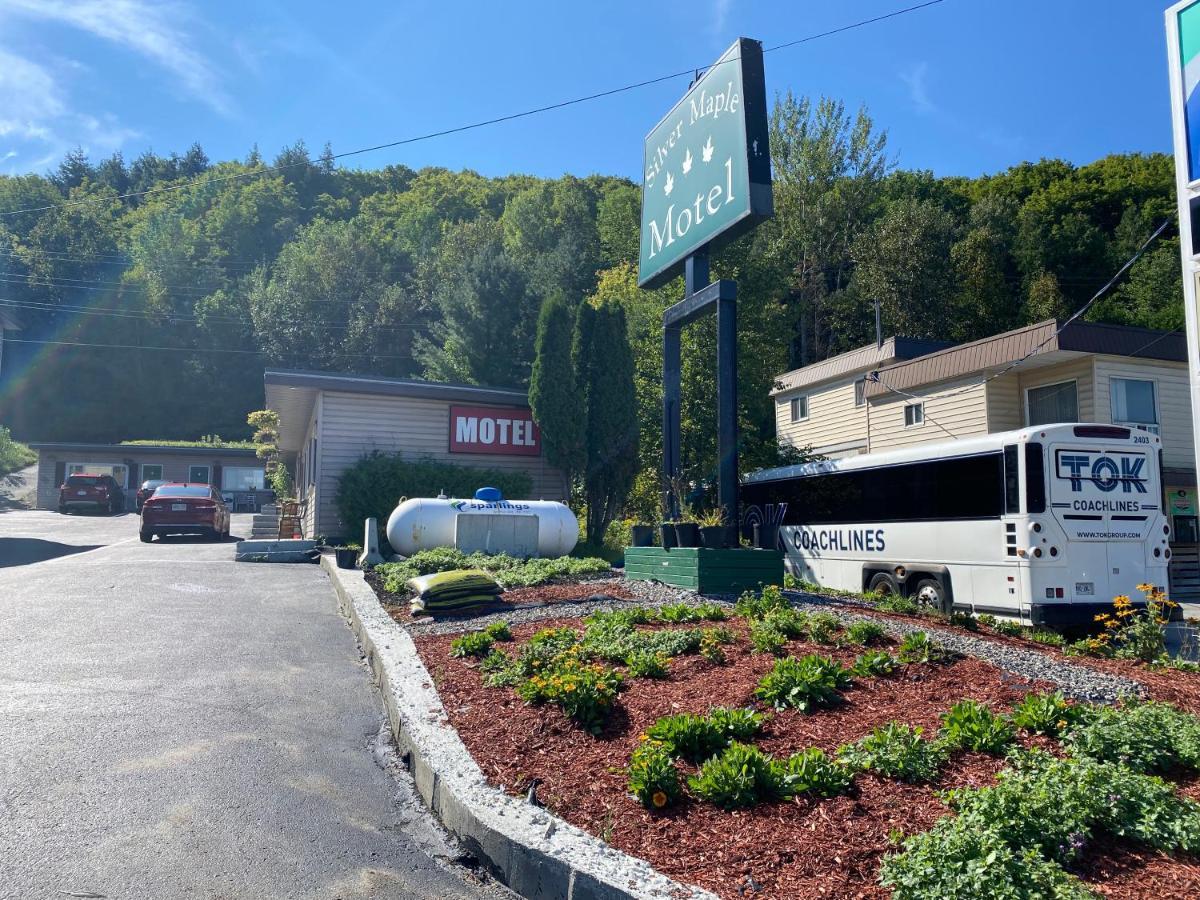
x=486, y=522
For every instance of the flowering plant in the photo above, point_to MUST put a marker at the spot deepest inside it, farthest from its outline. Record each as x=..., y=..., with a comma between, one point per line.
x=1134, y=632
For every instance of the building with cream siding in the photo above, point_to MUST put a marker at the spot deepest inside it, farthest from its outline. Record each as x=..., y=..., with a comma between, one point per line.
x=328, y=422
x=871, y=400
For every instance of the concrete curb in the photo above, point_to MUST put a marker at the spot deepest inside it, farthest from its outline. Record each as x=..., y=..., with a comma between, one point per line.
x=535, y=853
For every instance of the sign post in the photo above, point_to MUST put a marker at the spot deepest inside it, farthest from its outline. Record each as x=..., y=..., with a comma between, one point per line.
x=707, y=180
x=1183, y=59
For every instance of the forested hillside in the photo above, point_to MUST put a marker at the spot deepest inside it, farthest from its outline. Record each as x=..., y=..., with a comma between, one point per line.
x=297, y=262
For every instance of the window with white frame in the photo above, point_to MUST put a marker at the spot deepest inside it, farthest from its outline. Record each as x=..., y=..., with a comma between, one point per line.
x=242, y=478
x=799, y=408
x=860, y=392
x=118, y=471
x=914, y=414
x=198, y=474
x=1050, y=403
x=1133, y=403
x=152, y=472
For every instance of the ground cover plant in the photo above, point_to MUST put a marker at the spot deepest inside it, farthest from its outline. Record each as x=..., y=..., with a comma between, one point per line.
x=510, y=571
x=900, y=748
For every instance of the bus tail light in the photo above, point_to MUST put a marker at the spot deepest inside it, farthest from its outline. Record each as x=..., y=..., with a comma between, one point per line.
x=1054, y=593
x=1157, y=551
x=900, y=571
x=1167, y=554
x=1054, y=551
x=1037, y=552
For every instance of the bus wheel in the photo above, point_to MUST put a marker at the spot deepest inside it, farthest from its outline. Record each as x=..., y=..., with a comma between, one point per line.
x=882, y=585
x=930, y=593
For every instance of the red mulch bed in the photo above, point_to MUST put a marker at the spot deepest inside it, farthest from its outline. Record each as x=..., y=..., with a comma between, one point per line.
x=801, y=848
x=1168, y=685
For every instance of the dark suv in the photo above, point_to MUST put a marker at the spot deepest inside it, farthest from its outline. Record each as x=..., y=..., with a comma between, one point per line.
x=98, y=492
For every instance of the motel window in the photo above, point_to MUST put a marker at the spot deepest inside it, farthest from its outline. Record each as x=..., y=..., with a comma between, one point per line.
x=1052, y=403
x=799, y=409
x=1133, y=403
x=860, y=392
x=198, y=474
x=151, y=472
x=236, y=478
x=914, y=414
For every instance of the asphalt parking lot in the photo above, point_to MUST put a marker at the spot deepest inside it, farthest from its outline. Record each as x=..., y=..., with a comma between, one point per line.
x=179, y=725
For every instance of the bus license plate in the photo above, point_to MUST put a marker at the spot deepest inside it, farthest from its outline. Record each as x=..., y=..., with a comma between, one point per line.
x=1085, y=588
x=178, y=507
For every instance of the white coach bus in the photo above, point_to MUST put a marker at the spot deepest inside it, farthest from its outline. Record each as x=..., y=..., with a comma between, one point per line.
x=1047, y=524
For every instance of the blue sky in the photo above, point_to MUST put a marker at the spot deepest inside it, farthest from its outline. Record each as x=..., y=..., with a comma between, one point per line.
x=964, y=87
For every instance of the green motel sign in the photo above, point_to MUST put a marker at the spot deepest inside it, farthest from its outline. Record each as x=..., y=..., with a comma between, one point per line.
x=707, y=165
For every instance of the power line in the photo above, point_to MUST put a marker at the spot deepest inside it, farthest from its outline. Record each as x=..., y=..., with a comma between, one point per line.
x=876, y=378
x=688, y=72
x=9, y=340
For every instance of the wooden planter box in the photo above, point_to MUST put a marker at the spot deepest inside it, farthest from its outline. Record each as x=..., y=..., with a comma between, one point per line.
x=706, y=571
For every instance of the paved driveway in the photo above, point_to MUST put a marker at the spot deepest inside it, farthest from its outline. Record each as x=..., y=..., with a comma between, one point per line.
x=174, y=724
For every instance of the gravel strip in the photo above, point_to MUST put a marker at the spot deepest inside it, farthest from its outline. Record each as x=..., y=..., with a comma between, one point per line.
x=1075, y=681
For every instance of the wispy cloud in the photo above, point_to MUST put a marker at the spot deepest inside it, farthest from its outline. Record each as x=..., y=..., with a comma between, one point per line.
x=154, y=30
x=917, y=80
x=719, y=17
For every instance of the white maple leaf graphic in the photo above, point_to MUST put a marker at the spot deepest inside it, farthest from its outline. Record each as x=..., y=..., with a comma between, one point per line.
x=707, y=150
x=670, y=185
x=687, y=162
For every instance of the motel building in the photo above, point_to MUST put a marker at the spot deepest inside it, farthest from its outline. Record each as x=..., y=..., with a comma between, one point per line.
x=328, y=422
x=933, y=392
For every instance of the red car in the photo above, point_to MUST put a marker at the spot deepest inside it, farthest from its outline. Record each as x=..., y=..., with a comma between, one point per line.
x=98, y=492
x=144, y=492
x=185, y=509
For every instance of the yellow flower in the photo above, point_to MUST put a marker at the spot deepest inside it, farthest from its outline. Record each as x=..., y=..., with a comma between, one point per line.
x=643, y=737
x=659, y=799
x=1100, y=617
x=568, y=687
x=1062, y=723
x=1120, y=600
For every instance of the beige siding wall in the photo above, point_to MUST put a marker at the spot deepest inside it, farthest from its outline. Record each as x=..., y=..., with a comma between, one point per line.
x=1004, y=409
x=1079, y=371
x=1171, y=394
x=833, y=419
x=352, y=425
x=953, y=409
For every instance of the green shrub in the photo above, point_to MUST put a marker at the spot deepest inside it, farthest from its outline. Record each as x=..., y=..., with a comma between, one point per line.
x=1045, y=636
x=964, y=620
x=956, y=860
x=509, y=571
x=495, y=661
x=711, y=647
x=1058, y=805
x=584, y=691
x=766, y=638
x=681, y=613
x=13, y=454
x=696, y=738
x=477, y=643
x=1010, y=628
x=538, y=655
x=864, y=633
x=372, y=485
x=1147, y=737
x=1048, y=714
x=499, y=631
x=823, y=628
x=894, y=603
x=986, y=619
x=895, y=751
x=625, y=617
x=918, y=647
x=874, y=664
x=647, y=664
x=969, y=725
x=812, y=771
x=753, y=606
x=739, y=776
x=787, y=620
x=555, y=639
x=653, y=777
x=804, y=684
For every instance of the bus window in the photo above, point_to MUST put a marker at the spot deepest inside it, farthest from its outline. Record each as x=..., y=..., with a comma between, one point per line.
x=1012, y=481
x=1035, y=478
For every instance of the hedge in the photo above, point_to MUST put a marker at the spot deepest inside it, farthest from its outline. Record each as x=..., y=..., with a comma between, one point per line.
x=374, y=485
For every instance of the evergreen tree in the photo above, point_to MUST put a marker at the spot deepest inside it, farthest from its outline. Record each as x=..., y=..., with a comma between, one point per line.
x=604, y=369
x=553, y=390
